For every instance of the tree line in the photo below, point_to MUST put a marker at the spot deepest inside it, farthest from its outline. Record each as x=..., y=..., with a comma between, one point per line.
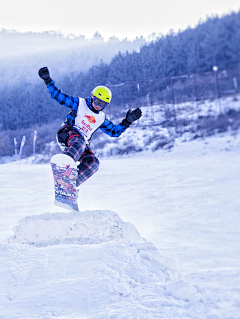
x=215, y=42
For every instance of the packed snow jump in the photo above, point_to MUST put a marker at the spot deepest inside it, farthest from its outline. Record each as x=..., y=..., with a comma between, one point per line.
x=73, y=137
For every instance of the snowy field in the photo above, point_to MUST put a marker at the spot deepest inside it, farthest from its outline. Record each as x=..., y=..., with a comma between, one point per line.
x=157, y=237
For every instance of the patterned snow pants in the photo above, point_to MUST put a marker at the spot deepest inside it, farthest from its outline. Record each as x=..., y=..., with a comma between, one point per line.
x=79, y=151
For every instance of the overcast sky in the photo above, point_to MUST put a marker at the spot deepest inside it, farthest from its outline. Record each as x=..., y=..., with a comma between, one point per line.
x=123, y=18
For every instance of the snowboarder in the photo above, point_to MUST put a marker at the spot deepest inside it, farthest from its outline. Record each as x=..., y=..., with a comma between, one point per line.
x=82, y=121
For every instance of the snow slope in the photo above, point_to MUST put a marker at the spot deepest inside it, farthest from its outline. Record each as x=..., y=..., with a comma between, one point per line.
x=98, y=264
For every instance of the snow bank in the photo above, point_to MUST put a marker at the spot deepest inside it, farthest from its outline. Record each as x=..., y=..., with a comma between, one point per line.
x=89, y=227
x=87, y=265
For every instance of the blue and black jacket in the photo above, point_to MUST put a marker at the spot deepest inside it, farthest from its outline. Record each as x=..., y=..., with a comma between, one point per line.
x=72, y=102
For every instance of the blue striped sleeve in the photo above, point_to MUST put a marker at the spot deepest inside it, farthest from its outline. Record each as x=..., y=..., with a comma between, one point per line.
x=62, y=98
x=112, y=130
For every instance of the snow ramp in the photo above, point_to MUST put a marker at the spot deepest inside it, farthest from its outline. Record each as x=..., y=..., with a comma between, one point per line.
x=89, y=265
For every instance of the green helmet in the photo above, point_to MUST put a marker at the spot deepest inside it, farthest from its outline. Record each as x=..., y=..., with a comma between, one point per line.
x=103, y=93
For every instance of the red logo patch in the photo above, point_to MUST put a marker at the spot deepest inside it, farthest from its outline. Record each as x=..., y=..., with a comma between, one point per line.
x=91, y=119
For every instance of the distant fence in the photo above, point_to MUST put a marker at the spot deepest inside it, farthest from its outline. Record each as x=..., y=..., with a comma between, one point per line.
x=176, y=89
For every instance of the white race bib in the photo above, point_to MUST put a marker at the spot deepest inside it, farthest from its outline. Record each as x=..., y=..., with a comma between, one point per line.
x=86, y=120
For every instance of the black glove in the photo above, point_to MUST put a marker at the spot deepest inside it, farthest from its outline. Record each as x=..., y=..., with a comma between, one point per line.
x=132, y=116
x=45, y=75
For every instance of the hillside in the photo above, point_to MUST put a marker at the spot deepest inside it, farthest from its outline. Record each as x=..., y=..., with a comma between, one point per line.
x=160, y=127
x=22, y=54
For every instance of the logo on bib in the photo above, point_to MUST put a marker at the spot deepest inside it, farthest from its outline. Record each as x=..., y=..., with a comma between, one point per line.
x=91, y=119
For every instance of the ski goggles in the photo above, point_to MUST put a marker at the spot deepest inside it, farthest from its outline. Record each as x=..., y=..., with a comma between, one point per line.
x=99, y=102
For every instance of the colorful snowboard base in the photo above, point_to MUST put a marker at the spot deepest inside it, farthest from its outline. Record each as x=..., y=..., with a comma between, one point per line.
x=65, y=174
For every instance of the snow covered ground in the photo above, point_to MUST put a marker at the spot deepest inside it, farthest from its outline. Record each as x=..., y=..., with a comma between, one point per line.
x=157, y=237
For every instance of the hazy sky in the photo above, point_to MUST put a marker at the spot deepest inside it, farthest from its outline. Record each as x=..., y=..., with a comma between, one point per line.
x=123, y=18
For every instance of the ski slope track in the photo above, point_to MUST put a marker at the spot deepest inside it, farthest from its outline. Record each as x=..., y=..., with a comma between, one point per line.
x=87, y=265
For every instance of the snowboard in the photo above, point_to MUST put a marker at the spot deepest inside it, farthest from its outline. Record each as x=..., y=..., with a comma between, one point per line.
x=65, y=174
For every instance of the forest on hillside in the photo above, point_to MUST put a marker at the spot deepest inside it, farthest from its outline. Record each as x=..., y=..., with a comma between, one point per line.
x=215, y=42
x=22, y=54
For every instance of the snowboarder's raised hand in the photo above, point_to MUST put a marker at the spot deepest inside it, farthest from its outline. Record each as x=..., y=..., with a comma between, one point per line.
x=132, y=116
x=45, y=75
